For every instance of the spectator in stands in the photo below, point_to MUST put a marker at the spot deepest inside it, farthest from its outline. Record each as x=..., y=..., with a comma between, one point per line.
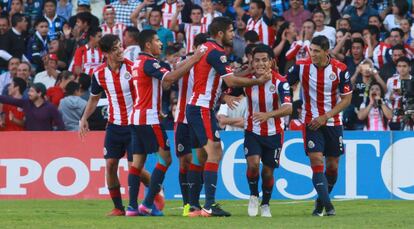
x=390, y=68
x=56, y=22
x=83, y=25
x=123, y=10
x=24, y=71
x=330, y=11
x=40, y=114
x=62, y=51
x=260, y=20
x=356, y=55
x=7, y=77
x=84, y=85
x=297, y=14
x=11, y=117
x=300, y=48
x=232, y=119
x=33, y=9
x=376, y=21
x=405, y=25
x=239, y=41
x=318, y=17
x=375, y=111
x=284, y=39
x=83, y=6
x=209, y=12
x=375, y=50
x=89, y=56
x=14, y=41
x=72, y=106
x=359, y=13
x=56, y=93
x=399, y=10
x=16, y=7
x=343, y=44
x=343, y=23
x=110, y=26
x=48, y=77
x=37, y=45
x=396, y=38
x=222, y=7
x=64, y=9
x=4, y=56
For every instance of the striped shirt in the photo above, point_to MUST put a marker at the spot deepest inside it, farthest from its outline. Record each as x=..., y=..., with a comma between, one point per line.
x=376, y=119
x=118, y=89
x=263, y=28
x=266, y=98
x=191, y=31
x=87, y=58
x=298, y=50
x=118, y=29
x=321, y=88
x=379, y=55
x=185, y=90
x=168, y=11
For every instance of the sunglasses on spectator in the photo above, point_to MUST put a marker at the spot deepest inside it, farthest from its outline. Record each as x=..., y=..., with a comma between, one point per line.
x=324, y=2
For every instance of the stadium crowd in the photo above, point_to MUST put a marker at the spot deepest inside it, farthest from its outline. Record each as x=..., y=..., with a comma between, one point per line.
x=49, y=50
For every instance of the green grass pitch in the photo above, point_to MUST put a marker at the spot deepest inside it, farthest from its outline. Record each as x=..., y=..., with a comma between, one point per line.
x=286, y=214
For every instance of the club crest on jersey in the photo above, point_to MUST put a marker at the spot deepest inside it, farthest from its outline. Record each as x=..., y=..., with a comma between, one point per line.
x=180, y=147
x=127, y=76
x=246, y=151
x=272, y=88
x=332, y=76
x=286, y=86
x=156, y=65
x=223, y=59
x=57, y=24
x=217, y=134
x=311, y=144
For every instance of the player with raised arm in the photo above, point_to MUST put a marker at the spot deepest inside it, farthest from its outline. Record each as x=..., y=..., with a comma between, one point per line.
x=326, y=92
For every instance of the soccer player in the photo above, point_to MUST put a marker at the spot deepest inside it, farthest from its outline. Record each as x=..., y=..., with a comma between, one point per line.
x=326, y=91
x=181, y=129
x=110, y=26
x=114, y=79
x=263, y=135
x=209, y=73
x=148, y=135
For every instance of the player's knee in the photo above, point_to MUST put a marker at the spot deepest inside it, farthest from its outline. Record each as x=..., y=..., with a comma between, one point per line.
x=253, y=168
x=267, y=173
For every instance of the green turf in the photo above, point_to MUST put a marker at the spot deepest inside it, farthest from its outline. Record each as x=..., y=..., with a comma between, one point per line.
x=286, y=214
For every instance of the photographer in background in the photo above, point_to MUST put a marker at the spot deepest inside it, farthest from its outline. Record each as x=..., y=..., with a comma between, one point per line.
x=375, y=111
x=395, y=93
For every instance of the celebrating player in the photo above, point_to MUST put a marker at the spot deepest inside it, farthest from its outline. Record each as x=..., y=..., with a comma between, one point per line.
x=326, y=91
x=148, y=135
x=209, y=73
x=114, y=78
x=263, y=136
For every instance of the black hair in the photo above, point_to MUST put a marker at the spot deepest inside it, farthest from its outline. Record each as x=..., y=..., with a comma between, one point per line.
x=261, y=48
x=260, y=4
x=84, y=81
x=19, y=82
x=321, y=41
x=64, y=75
x=373, y=30
x=171, y=50
x=249, y=49
x=279, y=34
x=311, y=21
x=16, y=18
x=319, y=12
x=358, y=40
x=399, y=47
x=47, y=1
x=200, y=39
x=399, y=30
x=5, y=18
x=219, y=24
x=145, y=36
x=156, y=9
x=344, y=31
x=40, y=20
x=377, y=16
x=251, y=36
x=404, y=59
x=373, y=83
x=93, y=31
x=107, y=42
x=71, y=88
x=402, y=6
x=197, y=7
x=133, y=32
x=85, y=17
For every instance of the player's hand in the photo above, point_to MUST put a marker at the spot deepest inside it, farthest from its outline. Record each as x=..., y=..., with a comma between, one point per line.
x=180, y=6
x=264, y=78
x=148, y=2
x=83, y=128
x=232, y=101
x=11, y=116
x=316, y=123
x=67, y=30
x=199, y=53
x=260, y=117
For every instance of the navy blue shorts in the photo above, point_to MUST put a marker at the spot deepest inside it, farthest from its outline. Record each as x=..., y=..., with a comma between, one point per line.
x=326, y=139
x=182, y=139
x=117, y=142
x=267, y=147
x=203, y=125
x=147, y=139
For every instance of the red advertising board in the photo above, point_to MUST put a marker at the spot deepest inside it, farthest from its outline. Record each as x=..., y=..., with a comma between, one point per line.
x=55, y=165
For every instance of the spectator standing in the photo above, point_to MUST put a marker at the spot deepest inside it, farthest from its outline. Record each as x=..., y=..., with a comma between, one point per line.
x=48, y=77
x=330, y=11
x=14, y=41
x=56, y=93
x=37, y=46
x=399, y=10
x=359, y=13
x=123, y=10
x=72, y=106
x=56, y=22
x=376, y=51
x=64, y=9
x=297, y=13
x=7, y=77
x=300, y=48
x=110, y=26
x=132, y=48
x=390, y=68
x=318, y=17
x=12, y=117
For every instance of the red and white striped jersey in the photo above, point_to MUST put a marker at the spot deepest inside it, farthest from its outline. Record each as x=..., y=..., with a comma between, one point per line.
x=410, y=51
x=118, y=89
x=298, y=50
x=393, y=95
x=132, y=52
x=263, y=28
x=191, y=31
x=208, y=18
x=118, y=29
x=208, y=76
x=266, y=98
x=87, y=58
x=168, y=11
x=147, y=75
x=185, y=90
x=379, y=55
x=321, y=88
x=376, y=119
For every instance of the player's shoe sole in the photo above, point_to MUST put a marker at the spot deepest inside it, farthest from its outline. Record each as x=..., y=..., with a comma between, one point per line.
x=116, y=212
